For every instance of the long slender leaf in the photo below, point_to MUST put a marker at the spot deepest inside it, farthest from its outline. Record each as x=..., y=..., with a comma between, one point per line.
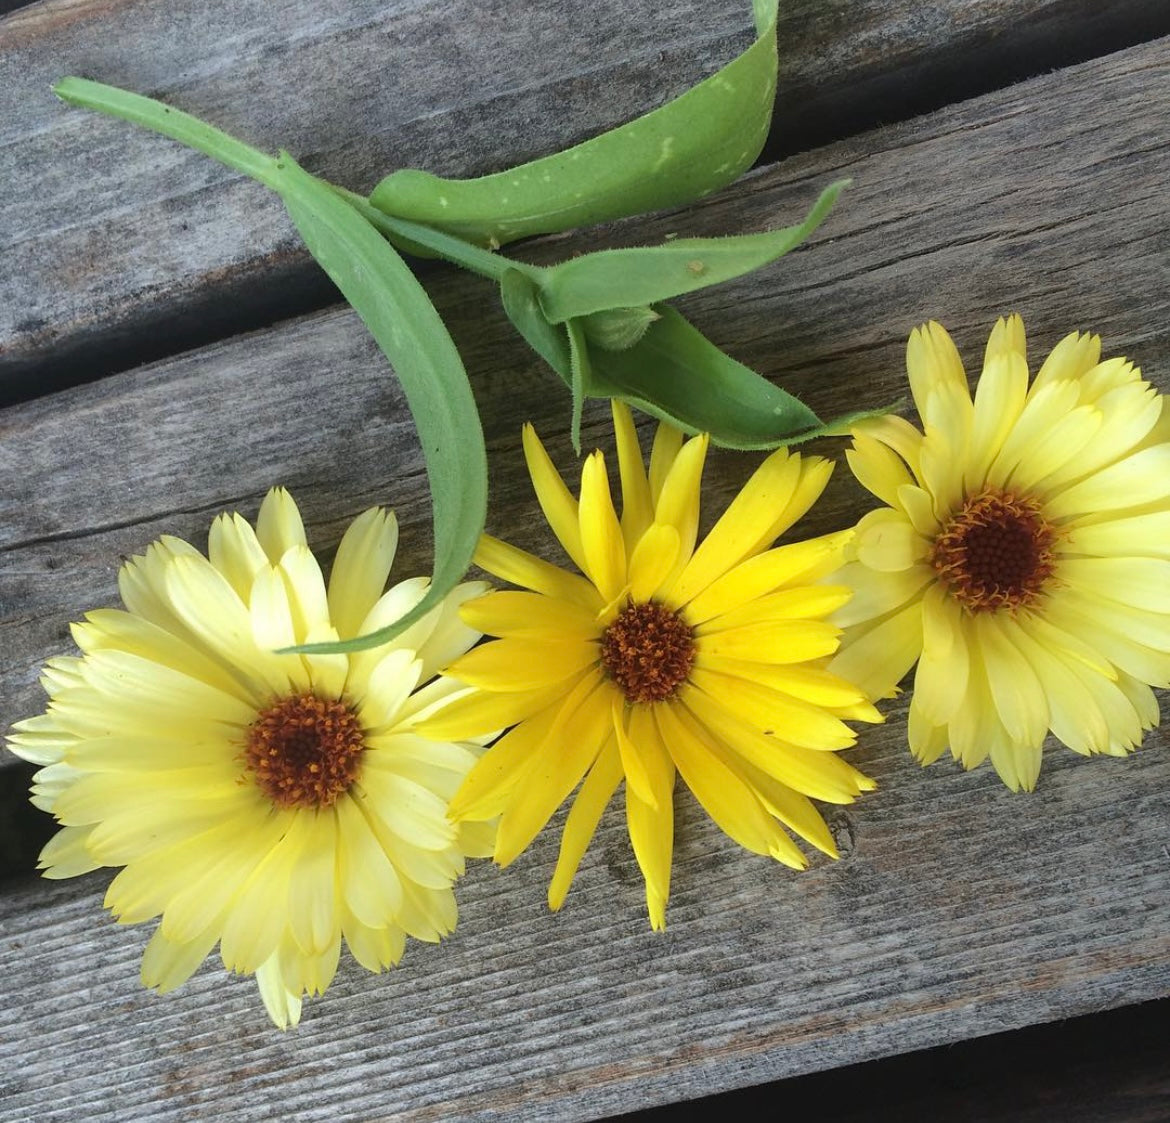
x=401, y=318
x=693, y=145
x=594, y=282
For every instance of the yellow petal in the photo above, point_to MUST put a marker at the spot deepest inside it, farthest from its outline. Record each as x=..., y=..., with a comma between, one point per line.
x=677, y=504
x=601, y=536
x=516, y=615
x=479, y=711
x=167, y=964
x=637, y=506
x=811, y=602
x=514, y=664
x=822, y=775
x=555, y=771
x=637, y=777
x=790, y=719
x=941, y=679
x=582, y=820
x=744, y=527
x=667, y=443
x=878, y=468
x=368, y=881
x=733, y=805
x=559, y=506
x=800, y=561
x=785, y=641
x=653, y=560
x=522, y=568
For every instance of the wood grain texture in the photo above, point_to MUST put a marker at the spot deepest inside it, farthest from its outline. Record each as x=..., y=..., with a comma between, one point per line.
x=958, y=909
x=121, y=247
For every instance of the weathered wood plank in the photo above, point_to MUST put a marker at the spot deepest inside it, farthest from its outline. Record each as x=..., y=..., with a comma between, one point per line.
x=120, y=247
x=959, y=909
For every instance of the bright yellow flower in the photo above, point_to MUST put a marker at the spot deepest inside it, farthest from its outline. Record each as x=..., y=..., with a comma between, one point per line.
x=1024, y=555
x=708, y=660
x=273, y=804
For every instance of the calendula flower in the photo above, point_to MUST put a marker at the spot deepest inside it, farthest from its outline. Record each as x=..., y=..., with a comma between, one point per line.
x=664, y=656
x=1023, y=557
x=273, y=804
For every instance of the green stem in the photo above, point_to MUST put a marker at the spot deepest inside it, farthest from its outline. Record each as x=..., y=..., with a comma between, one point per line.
x=173, y=123
x=403, y=232
x=205, y=138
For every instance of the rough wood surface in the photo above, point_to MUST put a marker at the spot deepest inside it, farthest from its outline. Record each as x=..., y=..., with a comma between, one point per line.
x=958, y=909
x=119, y=247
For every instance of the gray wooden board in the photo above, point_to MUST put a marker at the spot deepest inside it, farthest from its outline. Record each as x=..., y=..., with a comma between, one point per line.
x=114, y=242
x=958, y=909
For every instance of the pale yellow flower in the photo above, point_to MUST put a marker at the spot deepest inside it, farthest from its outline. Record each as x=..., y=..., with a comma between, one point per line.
x=708, y=659
x=273, y=804
x=1023, y=557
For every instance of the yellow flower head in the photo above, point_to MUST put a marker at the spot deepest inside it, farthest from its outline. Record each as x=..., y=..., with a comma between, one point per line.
x=271, y=803
x=1023, y=557
x=709, y=660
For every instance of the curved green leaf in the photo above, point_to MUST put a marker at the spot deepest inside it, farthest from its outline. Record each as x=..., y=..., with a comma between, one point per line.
x=675, y=373
x=641, y=275
x=693, y=145
x=401, y=318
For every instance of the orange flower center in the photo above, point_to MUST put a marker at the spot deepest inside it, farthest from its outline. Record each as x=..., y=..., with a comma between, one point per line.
x=304, y=751
x=648, y=651
x=995, y=553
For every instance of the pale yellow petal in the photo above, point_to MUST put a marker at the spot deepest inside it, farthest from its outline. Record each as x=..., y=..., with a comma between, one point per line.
x=284, y=1007
x=887, y=542
x=167, y=964
x=278, y=525
x=1015, y=689
x=234, y=549
x=361, y=568
x=932, y=359
x=368, y=881
x=1073, y=357
x=877, y=659
x=941, y=679
x=878, y=468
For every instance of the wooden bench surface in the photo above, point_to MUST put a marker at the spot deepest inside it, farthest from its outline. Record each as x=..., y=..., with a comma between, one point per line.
x=958, y=909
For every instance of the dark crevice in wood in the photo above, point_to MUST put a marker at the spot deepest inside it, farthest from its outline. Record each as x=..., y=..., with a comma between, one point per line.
x=806, y=118
x=248, y=301
x=24, y=829
x=1110, y=1067
x=811, y=116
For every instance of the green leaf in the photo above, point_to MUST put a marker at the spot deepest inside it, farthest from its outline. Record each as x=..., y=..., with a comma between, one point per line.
x=617, y=329
x=643, y=275
x=401, y=318
x=678, y=375
x=688, y=148
x=521, y=300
